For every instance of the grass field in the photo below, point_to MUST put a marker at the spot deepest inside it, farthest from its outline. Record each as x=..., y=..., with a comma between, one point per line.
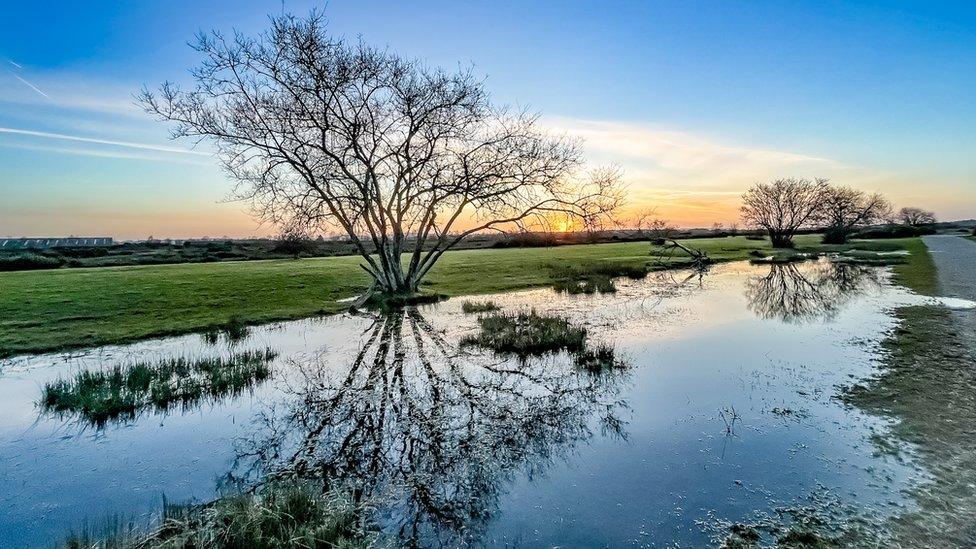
x=70, y=308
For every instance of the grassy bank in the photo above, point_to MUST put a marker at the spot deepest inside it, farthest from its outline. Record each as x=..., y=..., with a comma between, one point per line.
x=70, y=308
x=918, y=271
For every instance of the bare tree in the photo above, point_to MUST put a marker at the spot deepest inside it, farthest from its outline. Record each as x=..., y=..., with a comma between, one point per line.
x=293, y=241
x=647, y=223
x=845, y=209
x=783, y=206
x=915, y=217
x=405, y=159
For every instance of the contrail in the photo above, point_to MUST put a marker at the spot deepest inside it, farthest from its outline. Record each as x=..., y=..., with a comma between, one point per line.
x=32, y=86
x=142, y=146
x=14, y=64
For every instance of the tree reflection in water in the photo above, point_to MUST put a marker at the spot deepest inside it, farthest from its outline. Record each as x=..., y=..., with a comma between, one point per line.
x=809, y=291
x=427, y=434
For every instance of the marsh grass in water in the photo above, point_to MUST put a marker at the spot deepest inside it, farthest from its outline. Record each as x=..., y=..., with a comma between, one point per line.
x=594, y=278
x=527, y=333
x=120, y=392
x=277, y=515
x=472, y=307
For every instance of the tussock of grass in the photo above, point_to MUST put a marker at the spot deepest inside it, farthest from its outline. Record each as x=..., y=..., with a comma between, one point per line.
x=276, y=516
x=599, y=359
x=527, y=334
x=119, y=393
x=471, y=307
x=531, y=334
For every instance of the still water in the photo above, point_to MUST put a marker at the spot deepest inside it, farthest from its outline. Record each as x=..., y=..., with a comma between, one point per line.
x=727, y=411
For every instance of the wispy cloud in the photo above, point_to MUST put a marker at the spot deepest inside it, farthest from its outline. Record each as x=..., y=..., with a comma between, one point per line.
x=111, y=153
x=109, y=142
x=77, y=92
x=669, y=154
x=31, y=86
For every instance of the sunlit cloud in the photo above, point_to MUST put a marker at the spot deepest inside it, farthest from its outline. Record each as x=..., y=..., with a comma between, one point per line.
x=694, y=180
x=654, y=152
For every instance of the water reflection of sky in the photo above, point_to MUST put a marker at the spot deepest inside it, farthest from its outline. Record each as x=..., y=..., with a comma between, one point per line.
x=526, y=447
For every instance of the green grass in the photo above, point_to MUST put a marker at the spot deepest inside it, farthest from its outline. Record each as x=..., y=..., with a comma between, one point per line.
x=85, y=307
x=119, y=393
x=917, y=272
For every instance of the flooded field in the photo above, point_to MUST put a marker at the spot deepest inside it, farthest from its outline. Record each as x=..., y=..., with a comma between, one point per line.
x=728, y=416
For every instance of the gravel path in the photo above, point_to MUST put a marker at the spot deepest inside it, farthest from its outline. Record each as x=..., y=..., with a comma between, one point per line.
x=955, y=259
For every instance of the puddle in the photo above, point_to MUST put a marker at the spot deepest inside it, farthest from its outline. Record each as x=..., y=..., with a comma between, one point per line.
x=727, y=409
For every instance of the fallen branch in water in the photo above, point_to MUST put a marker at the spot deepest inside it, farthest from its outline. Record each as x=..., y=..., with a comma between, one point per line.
x=699, y=259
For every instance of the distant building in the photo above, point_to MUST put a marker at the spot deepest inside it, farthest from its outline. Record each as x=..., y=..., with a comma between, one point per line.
x=69, y=242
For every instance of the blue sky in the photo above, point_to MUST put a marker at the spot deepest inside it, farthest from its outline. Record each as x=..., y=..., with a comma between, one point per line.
x=695, y=100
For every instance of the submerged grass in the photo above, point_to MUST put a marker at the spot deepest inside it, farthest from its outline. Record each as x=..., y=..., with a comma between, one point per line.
x=278, y=515
x=472, y=307
x=120, y=392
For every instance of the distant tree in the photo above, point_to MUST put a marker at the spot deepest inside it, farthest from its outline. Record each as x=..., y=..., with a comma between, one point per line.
x=844, y=210
x=783, y=206
x=647, y=224
x=293, y=241
x=405, y=159
x=733, y=228
x=915, y=217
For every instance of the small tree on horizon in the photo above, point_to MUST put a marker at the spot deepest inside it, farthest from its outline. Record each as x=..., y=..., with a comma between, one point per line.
x=915, y=217
x=404, y=159
x=784, y=206
x=294, y=241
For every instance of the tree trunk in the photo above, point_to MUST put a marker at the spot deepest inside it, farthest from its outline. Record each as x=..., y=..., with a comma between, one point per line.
x=780, y=239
